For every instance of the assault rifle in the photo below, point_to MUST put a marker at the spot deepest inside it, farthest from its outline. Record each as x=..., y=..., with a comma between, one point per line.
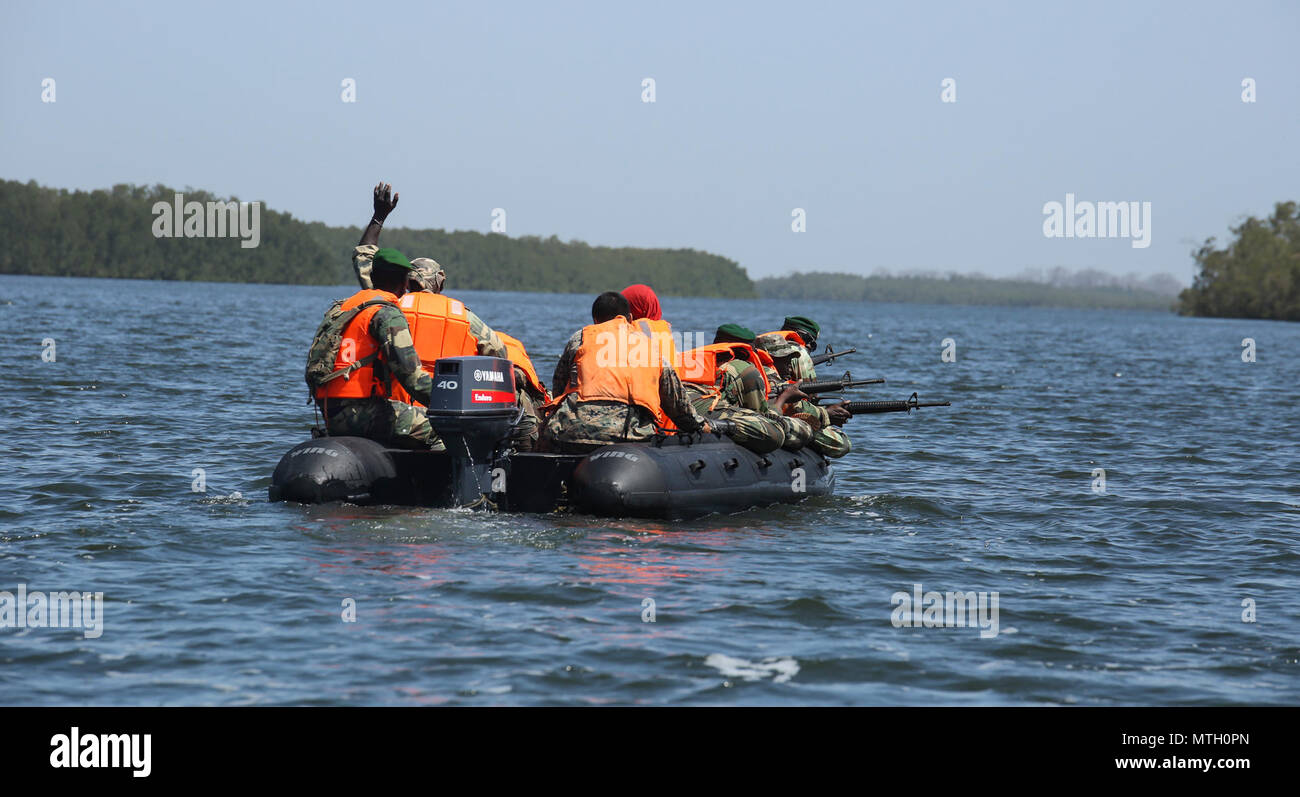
x=907, y=405
x=814, y=386
x=830, y=354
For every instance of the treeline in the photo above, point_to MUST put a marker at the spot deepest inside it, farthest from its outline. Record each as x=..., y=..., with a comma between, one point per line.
x=1257, y=275
x=110, y=233
x=957, y=289
x=494, y=262
x=1061, y=277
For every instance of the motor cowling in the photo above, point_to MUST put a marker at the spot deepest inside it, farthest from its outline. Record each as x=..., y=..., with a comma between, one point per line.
x=473, y=410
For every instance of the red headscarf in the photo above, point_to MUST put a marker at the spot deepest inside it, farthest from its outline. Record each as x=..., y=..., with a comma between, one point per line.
x=643, y=301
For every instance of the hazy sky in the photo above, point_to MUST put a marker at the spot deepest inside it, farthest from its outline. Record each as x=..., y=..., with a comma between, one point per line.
x=759, y=109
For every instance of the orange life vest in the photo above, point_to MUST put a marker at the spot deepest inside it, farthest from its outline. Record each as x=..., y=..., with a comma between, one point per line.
x=357, y=346
x=519, y=356
x=613, y=363
x=440, y=328
x=700, y=365
x=661, y=332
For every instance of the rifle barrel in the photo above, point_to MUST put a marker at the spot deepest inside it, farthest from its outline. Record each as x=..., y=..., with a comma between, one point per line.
x=871, y=407
x=830, y=354
x=813, y=387
x=907, y=405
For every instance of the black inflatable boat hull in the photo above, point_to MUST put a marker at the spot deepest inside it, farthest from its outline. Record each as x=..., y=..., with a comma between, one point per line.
x=680, y=481
x=674, y=479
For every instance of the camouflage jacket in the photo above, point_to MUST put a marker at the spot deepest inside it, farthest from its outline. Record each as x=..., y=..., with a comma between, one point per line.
x=397, y=357
x=738, y=384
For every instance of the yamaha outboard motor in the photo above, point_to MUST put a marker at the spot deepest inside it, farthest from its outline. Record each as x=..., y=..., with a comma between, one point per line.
x=473, y=411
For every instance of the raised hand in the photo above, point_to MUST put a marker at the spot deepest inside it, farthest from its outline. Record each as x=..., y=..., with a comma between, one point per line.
x=385, y=200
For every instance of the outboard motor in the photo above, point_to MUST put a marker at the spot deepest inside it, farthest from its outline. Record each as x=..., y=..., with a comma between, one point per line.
x=473, y=410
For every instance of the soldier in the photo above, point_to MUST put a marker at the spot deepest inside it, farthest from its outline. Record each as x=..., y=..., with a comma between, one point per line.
x=442, y=326
x=533, y=395
x=646, y=315
x=725, y=383
x=375, y=349
x=789, y=348
x=610, y=389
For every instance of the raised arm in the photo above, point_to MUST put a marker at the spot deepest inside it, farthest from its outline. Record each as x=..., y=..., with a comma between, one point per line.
x=385, y=201
x=365, y=249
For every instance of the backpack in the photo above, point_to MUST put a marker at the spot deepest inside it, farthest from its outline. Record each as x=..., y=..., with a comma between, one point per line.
x=325, y=346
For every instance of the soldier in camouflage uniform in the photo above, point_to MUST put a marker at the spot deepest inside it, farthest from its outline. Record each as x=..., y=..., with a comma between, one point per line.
x=577, y=427
x=739, y=395
x=377, y=417
x=425, y=273
x=794, y=364
x=428, y=275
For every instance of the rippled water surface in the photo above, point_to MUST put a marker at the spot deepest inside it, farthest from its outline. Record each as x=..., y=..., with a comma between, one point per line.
x=1134, y=596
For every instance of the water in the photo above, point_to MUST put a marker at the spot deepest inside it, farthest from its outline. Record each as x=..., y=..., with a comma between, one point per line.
x=1133, y=596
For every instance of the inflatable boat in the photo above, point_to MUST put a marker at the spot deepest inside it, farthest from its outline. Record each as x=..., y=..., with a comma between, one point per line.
x=473, y=411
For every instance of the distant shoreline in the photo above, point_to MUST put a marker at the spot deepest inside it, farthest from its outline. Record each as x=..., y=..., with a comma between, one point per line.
x=116, y=234
x=343, y=288
x=959, y=291
x=929, y=291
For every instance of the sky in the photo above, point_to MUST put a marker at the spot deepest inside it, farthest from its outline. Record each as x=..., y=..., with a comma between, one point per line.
x=759, y=108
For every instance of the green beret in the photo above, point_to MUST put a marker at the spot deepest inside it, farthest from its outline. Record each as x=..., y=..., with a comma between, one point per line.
x=392, y=258
x=807, y=328
x=734, y=333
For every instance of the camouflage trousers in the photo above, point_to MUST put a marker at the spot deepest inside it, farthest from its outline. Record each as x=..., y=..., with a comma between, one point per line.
x=576, y=427
x=524, y=437
x=753, y=430
x=759, y=430
x=393, y=422
x=407, y=426
x=797, y=432
x=830, y=441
